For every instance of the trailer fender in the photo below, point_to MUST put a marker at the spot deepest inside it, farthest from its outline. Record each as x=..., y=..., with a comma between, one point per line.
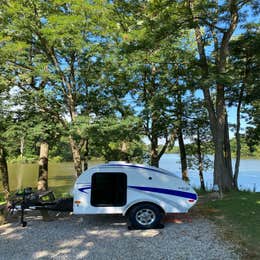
x=134, y=203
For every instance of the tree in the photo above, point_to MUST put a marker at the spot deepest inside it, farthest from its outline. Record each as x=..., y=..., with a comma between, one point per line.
x=214, y=24
x=154, y=100
x=4, y=119
x=114, y=138
x=181, y=124
x=245, y=88
x=37, y=130
x=59, y=38
x=153, y=47
x=198, y=131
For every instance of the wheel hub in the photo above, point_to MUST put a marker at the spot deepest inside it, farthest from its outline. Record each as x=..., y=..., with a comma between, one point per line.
x=145, y=217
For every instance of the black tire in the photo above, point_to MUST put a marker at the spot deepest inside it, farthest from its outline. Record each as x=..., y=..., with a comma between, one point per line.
x=65, y=205
x=145, y=216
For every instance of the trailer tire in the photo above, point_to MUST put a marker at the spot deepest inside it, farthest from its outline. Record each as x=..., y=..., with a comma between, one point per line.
x=145, y=216
x=65, y=205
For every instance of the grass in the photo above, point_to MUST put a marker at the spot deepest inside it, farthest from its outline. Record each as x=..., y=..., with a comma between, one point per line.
x=238, y=213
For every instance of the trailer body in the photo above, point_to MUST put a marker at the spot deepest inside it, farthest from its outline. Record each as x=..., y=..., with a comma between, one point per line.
x=115, y=187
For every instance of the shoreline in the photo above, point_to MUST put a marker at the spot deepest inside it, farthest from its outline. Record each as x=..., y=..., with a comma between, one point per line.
x=27, y=161
x=233, y=157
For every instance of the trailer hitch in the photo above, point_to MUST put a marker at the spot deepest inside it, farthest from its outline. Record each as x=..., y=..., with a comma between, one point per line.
x=38, y=200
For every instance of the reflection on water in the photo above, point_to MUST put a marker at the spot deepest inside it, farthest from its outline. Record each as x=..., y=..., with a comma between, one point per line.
x=62, y=175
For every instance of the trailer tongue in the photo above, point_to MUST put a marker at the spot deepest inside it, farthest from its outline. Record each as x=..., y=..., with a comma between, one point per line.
x=38, y=200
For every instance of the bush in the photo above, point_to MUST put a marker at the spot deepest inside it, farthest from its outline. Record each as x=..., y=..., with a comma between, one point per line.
x=27, y=159
x=56, y=159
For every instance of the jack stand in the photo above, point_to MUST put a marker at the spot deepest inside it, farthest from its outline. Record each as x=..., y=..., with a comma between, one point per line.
x=23, y=223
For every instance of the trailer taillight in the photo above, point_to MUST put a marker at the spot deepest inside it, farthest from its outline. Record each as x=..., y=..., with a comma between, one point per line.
x=191, y=200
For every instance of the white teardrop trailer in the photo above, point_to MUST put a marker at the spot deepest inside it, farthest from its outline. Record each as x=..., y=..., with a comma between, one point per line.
x=142, y=193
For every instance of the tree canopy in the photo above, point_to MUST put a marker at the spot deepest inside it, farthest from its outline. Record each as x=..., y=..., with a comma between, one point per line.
x=101, y=77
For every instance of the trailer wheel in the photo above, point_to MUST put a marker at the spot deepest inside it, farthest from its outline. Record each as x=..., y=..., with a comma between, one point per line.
x=65, y=204
x=145, y=216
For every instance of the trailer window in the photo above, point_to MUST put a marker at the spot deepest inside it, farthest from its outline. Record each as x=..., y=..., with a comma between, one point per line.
x=108, y=189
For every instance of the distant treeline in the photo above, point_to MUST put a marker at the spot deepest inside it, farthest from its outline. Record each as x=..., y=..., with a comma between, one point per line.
x=246, y=151
x=60, y=152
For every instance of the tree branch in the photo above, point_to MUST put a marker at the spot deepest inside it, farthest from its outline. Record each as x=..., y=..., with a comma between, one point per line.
x=227, y=35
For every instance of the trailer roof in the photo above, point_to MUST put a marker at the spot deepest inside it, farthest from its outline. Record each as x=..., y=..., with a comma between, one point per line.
x=132, y=165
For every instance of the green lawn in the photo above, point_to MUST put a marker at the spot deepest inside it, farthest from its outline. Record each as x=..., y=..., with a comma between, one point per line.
x=239, y=215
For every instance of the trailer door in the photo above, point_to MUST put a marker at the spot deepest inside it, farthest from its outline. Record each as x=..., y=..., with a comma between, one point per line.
x=108, y=189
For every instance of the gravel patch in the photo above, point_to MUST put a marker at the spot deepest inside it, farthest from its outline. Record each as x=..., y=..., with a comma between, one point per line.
x=107, y=237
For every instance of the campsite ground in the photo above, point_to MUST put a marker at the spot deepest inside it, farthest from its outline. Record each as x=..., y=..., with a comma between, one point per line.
x=220, y=229
x=107, y=237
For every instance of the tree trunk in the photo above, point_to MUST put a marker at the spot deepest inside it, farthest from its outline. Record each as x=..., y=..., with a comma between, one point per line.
x=202, y=183
x=4, y=173
x=43, y=174
x=86, y=155
x=154, y=141
x=76, y=156
x=154, y=152
x=219, y=166
x=184, y=167
x=238, y=141
x=228, y=157
x=124, y=149
x=222, y=162
x=221, y=173
x=219, y=162
x=43, y=167
x=5, y=184
x=3, y=214
x=22, y=147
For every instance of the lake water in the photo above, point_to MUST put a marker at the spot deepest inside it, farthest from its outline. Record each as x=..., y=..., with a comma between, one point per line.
x=62, y=175
x=248, y=178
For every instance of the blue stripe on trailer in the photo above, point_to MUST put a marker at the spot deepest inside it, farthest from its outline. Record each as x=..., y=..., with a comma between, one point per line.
x=178, y=193
x=84, y=189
